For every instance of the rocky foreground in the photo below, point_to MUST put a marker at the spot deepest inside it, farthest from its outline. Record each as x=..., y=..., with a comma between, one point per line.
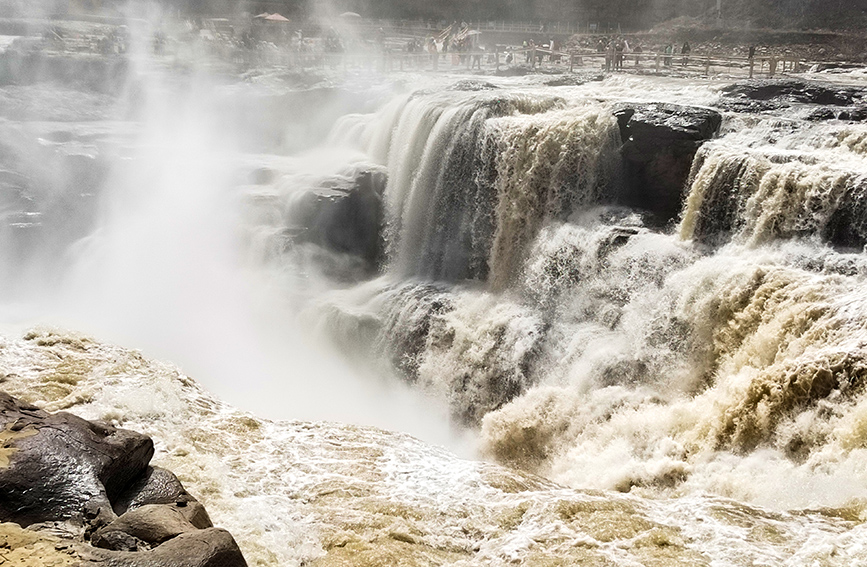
x=77, y=492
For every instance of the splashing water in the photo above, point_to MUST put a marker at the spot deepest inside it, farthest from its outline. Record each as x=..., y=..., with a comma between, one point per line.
x=712, y=370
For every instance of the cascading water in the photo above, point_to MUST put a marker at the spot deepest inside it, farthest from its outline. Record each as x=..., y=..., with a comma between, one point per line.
x=761, y=198
x=693, y=386
x=601, y=352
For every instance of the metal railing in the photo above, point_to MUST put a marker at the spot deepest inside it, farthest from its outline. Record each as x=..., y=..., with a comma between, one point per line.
x=480, y=25
x=537, y=57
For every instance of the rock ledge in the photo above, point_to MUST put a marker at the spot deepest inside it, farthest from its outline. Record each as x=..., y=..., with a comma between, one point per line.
x=77, y=492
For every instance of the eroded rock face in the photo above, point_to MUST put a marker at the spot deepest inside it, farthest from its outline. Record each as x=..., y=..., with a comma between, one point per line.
x=94, y=479
x=659, y=143
x=345, y=218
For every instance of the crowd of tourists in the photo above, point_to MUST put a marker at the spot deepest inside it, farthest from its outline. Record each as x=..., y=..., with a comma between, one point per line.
x=617, y=50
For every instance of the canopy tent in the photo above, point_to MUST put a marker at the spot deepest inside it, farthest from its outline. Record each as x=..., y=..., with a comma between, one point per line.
x=277, y=18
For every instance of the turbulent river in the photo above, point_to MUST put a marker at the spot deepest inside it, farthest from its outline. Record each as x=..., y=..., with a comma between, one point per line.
x=519, y=368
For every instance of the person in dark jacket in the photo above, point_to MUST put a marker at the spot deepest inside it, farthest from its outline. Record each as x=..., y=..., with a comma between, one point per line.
x=685, y=52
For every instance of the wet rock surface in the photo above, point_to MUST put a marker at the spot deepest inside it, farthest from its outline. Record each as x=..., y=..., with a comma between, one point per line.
x=659, y=143
x=89, y=497
x=847, y=225
x=575, y=80
x=213, y=547
x=344, y=217
x=834, y=101
x=160, y=486
x=796, y=90
x=151, y=525
x=851, y=114
x=470, y=85
x=58, y=464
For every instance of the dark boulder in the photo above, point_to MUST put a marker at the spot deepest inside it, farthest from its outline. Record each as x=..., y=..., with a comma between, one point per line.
x=70, y=476
x=659, y=143
x=344, y=217
x=200, y=548
x=160, y=486
x=848, y=114
x=151, y=524
x=796, y=91
x=55, y=466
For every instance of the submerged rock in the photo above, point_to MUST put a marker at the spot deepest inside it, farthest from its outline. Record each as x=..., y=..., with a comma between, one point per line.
x=659, y=143
x=91, y=481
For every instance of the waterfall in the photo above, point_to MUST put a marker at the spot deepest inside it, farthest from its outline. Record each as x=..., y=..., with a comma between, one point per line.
x=757, y=198
x=598, y=348
x=472, y=177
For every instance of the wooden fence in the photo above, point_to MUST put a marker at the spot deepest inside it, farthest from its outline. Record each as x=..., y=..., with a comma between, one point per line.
x=766, y=66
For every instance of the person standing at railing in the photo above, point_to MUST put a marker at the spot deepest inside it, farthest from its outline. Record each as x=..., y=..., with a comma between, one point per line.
x=669, y=50
x=619, y=46
x=685, y=52
x=432, y=51
x=638, y=51
x=477, y=60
